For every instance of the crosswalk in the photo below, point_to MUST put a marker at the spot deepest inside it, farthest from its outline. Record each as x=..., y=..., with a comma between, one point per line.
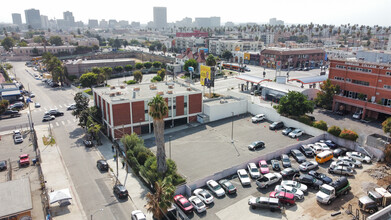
x=44, y=109
x=63, y=122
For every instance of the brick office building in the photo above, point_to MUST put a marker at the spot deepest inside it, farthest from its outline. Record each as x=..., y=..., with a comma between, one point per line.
x=125, y=108
x=292, y=57
x=365, y=87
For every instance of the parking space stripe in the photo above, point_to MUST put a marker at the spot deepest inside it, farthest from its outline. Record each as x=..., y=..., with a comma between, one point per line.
x=68, y=121
x=63, y=122
x=57, y=123
x=60, y=106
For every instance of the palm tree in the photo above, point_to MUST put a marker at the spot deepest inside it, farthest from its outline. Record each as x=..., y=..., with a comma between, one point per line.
x=160, y=201
x=158, y=109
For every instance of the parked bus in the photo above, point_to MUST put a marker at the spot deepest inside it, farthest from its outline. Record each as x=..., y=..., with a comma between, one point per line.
x=232, y=66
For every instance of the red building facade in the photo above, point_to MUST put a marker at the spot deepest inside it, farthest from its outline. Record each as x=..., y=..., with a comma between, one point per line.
x=292, y=57
x=365, y=87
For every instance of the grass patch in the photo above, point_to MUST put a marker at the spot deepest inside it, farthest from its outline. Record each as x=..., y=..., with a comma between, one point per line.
x=48, y=140
x=88, y=91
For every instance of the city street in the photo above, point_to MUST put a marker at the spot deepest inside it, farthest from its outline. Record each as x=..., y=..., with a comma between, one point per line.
x=94, y=188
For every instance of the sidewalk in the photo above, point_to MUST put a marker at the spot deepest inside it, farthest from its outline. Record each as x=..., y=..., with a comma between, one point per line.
x=137, y=191
x=57, y=177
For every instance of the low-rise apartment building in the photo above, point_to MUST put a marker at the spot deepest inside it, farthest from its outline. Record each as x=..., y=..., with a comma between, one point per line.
x=79, y=67
x=39, y=50
x=218, y=46
x=292, y=57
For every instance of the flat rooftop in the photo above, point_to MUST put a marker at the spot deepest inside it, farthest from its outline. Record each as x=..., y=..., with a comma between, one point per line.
x=222, y=101
x=15, y=197
x=282, y=87
x=80, y=61
x=143, y=91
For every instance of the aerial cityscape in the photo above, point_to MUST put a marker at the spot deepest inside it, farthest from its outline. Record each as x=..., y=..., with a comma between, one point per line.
x=272, y=110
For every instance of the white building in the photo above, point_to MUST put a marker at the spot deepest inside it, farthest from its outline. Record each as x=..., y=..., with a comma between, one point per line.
x=87, y=42
x=218, y=46
x=160, y=17
x=28, y=51
x=183, y=43
x=389, y=43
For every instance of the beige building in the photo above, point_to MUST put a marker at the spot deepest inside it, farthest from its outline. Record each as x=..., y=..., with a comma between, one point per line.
x=29, y=51
x=79, y=67
x=86, y=42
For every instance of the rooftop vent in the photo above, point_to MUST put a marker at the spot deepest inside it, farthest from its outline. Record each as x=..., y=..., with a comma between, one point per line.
x=118, y=93
x=188, y=89
x=122, y=87
x=169, y=92
x=136, y=89
x=112, y=94
x=160, y=93
x=112, y=87
x=152, y=87
x=170, y=86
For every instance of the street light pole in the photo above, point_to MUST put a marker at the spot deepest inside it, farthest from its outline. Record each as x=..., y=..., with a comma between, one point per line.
x=169, y=145
x=99, y=210
x=232, y=130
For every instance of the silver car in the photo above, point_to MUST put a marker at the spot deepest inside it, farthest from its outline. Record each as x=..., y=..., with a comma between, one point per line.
x=341, y=170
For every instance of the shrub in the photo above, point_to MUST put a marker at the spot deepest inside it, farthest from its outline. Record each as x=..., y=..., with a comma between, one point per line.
x=134, y=165
x=130, y=82
x=322, y=125
x=305, y=119
x=387, y=152
x=334, y=130
x=142, y=157
x=156, y=79
x=349, y=135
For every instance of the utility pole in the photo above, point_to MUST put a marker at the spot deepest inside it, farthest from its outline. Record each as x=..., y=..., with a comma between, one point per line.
x=232, y=130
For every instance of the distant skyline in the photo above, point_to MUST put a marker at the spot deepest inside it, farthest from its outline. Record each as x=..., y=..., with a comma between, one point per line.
x=336, y=12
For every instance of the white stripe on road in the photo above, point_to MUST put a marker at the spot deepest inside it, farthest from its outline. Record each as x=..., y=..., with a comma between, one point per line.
x=63, y=122
x=57, y=124
x=74, y=120
x=40, y=109
x=60, y=106
x=68, y=121
x=45, y=109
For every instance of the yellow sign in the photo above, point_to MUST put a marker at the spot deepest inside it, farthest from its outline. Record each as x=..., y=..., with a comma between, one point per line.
x=237, y=48
x=204, y=74
x=247, y=56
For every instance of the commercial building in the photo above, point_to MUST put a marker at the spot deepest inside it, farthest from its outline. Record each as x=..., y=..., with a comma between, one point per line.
x=389, y=43
x=39, y=50
x=160, y=17
x=365, y=87
x=292, y=58
x=93, y=23
x=192, y=34
x=15, y=202
x=125, y=108
x=16, y=18
x=33, y=18
x=86, y=42
x=218, y=46
x=10, y=92
x=44, y=21
x=374, y=56
x=182, y=43
x=274, y=21
x=69, y=19
x=207, y=22
x=79, y=67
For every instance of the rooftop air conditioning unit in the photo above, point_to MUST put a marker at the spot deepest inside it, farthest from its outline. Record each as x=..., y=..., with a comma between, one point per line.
x=188, y=89
x=169, y=92
x=112, y=87
x=118, y=93
x=136, y=89
x=122, y=87
x=112, y=94
x=160, y=93
x=170, y=86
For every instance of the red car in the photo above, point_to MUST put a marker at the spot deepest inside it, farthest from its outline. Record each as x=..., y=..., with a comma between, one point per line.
x=284, y=197
x=183, y=203
x=24, y=160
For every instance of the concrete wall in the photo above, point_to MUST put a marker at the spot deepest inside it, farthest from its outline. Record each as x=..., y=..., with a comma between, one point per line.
x=217, y=111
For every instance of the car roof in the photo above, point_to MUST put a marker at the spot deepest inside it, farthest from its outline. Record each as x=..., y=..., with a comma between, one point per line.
x=252, y=165
x=24, y=155
x=212, y=183
x=242, y=171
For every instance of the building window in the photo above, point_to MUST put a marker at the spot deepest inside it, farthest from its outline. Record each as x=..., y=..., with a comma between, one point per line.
x=338, y=78
x=146, y=114
x=359, y=82
x=387, y=87
x=185, y=100
x=388, y=73
x=348, y=80
x=340, y=67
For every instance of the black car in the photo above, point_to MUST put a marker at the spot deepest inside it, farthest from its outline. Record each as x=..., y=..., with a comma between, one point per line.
x=102, y=165
x=88, y=143
x=320, y=176
x=287, y=130
x=306, y=151
x=286, y=162
x=276, y=125
x=339, y=152
x=3, y=165
x=289, y=172
x=275, y=165
x=120, y=191
x=329, y=143
x=310, y=181
x=227, y=186
x=256, y=144
x=55, y=113
x=299, y=157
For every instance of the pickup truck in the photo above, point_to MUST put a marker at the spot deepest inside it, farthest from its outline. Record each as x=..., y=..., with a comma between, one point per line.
x=264, y=202
x=24, y=160
x=327, y=193
x=268, y=179
x=374, y=199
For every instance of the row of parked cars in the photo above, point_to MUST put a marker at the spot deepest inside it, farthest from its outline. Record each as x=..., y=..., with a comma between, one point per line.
x=288, y=131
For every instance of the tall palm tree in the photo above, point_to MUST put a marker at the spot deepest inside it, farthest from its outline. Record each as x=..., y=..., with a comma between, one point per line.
x=158, y=109
x=160, y=201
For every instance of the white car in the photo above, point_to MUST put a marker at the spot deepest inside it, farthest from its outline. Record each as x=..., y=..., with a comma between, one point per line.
x=197, y=204
x=243, y=177
x=342, y=163
x=253, y=170
x=351, y=160
x=315, y=148
x=268, y=179
x=258, y=118
x=37, y=105
x=297, y=192
x=204, y=195
x=215, y=188
x=359, y=156
x=71, y=107
x=323, y=146
x=296, y=133
x=295, y=184
x=138, y=215
x=308, y=165
x=18, y=139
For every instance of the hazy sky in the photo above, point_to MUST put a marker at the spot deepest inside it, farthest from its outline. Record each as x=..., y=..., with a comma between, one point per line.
x=366, y=12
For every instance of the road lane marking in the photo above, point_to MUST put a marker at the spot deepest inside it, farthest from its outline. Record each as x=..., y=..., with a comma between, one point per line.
x=60, y=106
x=45, y=109
x=63, y=122
x=74, y=120
x=68, y=121
x=57, y=124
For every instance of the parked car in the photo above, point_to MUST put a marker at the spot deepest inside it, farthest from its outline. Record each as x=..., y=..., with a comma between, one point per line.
x=215, y=188
x=276, y=165
x=198, y=205
x=351, y=160
x=264, y=202
x=296, y=133
x=341, y=170
x=258, y=118
x=320, y=176
x=227, y=186
x=55, y=112
x=71, y=107
x=276, y=125
x=323, y=146
x=263, y=167
x=24, y=160
x=289, y=172
x=284, y=197
x=37, y=105
x=88, y=143
x=316, y=149
x=308, y=165
x=138, y=215
x=183, y=203
x=268, y=179
x=307, y=151
x=3, y=165
x=255, y=145
x=299, y=157
x=32, y=95
x=294, y=184
x=102, y=165
x=309, y=181
x=339, y=152
x=342, y=163
x=48, y=117
x=243, y=177
x=329, y=143
x=287, y=130
x=253, y=170
x=286, y=162
x=359, y=156
x=18, y=138
x=204, y=195
x=297, y=192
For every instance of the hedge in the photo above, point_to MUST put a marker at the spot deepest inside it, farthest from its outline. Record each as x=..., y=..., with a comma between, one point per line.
x=334, y=130
x=349, y=135
x=322, y=125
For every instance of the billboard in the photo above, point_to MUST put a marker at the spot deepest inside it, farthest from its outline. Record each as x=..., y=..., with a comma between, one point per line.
x=247, y=56
x=205, y=74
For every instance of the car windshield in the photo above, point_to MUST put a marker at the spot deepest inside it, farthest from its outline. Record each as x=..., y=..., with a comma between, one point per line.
x=254, y=170
x=186, y=204
x=324, y=190
x=297, y=184
x=198, y=203
x=264, y=165
x=243, y=175
x=216, y=187
x=285, y=159
x=206, y=195
x=299, y=154
x=25, y=157
x=254, y=143
x=230, y=186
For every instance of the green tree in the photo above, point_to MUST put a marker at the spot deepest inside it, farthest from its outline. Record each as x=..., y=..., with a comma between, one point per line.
x=156, y=79
x=58, y=74
x=4, y=103
x=348, y=134
x=128, y=68
x=22, y=43
x=131, y=141
x=158, y=110
x=94, y=129
x=147, y=65
x=156, y=64
x=38, y=39
x=56, y=40
x=164, y=49
x=161, y=73
x=324, y=98
x=134, y=42
x=96, y=70
x=138, y=76
x=8, y=66
x=322, y=125
x=386, y=125
x=8, y=43
x=118, y=69
x=107, y=71
x=227, y=55
x=88, y=79
x=191, y=62
x=161, y=200
x=81, y=104
x=211, y=60
x=334, y=130
x=139, y=66
x=295, y=104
